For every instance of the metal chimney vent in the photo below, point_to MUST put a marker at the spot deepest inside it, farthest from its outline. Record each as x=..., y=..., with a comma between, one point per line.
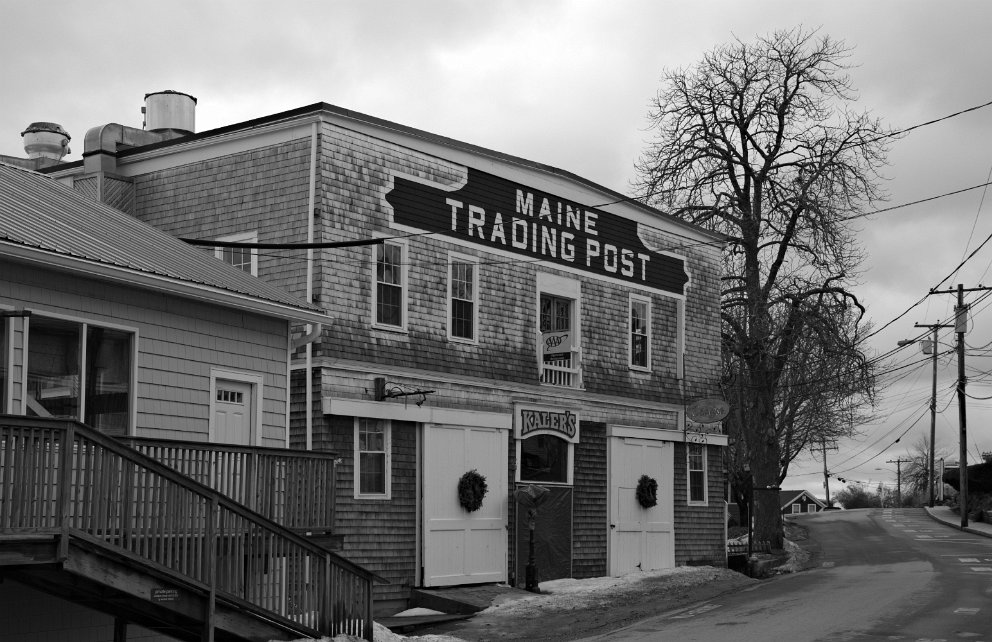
x=46, y=140
x=170, y=111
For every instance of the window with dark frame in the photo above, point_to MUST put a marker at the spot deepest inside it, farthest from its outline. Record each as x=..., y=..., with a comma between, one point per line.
x=58, y=386
x=544, y=458
x=556, y=313
x=463, y=299
x=389, y=284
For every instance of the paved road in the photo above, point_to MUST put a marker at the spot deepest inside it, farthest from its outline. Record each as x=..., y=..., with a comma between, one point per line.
x=884, y=574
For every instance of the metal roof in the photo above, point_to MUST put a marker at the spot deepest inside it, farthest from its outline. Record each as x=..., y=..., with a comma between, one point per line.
x=41, y=219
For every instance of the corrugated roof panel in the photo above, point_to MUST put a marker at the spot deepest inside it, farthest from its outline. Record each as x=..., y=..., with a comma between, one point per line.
x=38, y=212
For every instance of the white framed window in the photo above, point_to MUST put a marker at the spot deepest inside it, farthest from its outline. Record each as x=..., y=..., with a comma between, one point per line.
x=696, y=471
x=559, y=330
x=389, y=292
x=243, y=258
x=463, y=295
x=797, y=508
x=639, y=327
x=81, y=370
x=373, y=462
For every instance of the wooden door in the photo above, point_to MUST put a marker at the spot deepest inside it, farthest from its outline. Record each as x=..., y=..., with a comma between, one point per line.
x=460, y=547
x=641, y=539
x=233, y=412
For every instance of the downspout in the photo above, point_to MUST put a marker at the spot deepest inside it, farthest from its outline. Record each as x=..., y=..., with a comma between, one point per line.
x=313, y=330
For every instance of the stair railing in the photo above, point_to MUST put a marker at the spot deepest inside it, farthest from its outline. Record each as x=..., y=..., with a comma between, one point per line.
x=61, y=477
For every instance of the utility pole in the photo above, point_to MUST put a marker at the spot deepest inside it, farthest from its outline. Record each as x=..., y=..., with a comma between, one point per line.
x=961, y=326
x=898, y=463
x=826, y=475
x=933, y=403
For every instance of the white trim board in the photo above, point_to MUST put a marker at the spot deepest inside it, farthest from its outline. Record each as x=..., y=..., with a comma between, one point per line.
x=660, y=434
x=419, y=414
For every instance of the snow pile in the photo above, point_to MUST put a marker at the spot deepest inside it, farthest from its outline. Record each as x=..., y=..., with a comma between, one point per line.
x=571, y=594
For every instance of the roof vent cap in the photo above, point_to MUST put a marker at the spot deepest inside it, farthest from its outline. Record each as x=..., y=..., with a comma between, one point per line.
x=46, y=140
x=170, y=111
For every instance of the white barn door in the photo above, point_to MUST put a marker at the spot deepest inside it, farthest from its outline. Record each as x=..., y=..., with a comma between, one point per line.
x=462, y=547
x=641, y=539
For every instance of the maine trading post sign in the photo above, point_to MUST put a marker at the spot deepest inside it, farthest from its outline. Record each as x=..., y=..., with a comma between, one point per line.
x=495, y=213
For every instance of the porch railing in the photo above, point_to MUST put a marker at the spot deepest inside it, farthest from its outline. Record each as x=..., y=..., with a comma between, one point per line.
x=564, y=370
x=63, y=478
x=292, y=487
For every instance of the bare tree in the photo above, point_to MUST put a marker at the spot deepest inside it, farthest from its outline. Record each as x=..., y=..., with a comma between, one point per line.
x=916, y=474
x=758, y=141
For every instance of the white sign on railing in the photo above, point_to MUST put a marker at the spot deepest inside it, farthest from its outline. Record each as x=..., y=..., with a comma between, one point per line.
x=559, y=342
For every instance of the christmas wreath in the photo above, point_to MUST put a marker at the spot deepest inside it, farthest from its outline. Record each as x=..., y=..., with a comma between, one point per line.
x=471, y=489
x=647, y=492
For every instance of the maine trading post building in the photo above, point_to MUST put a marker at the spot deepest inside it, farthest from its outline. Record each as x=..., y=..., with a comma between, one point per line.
x=510, y=318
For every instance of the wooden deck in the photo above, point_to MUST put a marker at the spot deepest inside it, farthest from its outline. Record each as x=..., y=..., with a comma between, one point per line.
x=79, y=509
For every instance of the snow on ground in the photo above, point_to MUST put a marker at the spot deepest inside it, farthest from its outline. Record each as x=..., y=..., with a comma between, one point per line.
x=561, y=595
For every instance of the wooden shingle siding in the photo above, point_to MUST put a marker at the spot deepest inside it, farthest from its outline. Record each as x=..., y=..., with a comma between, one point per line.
x=605, y=340
x=589, y=554
x=380, y=535
x=179, y=341
x=265, y=190
x=700, y=534
x=355, y=176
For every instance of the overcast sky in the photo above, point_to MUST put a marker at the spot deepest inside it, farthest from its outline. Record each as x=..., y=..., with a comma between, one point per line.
x=567, y=83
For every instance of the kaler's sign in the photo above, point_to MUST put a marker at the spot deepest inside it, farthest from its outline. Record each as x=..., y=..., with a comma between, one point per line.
x=496, y=213
x=546, y=420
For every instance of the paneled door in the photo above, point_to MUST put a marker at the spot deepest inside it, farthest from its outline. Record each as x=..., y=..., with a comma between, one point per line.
x=460, y=547
x=641, y=539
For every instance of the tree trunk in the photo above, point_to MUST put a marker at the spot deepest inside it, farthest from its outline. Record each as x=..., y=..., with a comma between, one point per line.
x=765, y=469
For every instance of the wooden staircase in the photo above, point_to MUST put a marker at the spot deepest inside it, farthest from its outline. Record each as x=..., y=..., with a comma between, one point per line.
x=94, y=521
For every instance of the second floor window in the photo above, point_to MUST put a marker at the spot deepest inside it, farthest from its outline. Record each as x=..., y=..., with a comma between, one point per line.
x=462, y=299
x=556, y=313
x=558, y=342
x=640, y=332
x=243, y=258
x=389, y=285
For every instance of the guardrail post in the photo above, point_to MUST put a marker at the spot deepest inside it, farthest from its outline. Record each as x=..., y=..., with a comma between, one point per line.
x=65, y=480
x=210, y=546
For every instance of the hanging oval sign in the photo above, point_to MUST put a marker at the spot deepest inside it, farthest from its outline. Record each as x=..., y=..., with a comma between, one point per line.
x=707, y=411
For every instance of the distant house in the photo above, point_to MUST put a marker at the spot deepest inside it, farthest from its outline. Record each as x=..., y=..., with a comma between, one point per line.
x=146, y=487
x=793, y=502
